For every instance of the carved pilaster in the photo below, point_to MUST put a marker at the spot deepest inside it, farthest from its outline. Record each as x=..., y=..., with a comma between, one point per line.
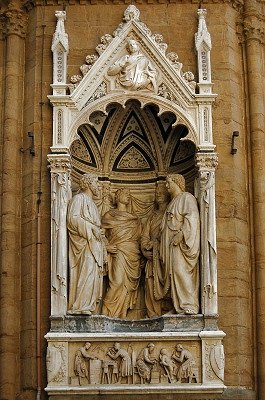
x=60, y=167
x=16, y=22
x=206, y=164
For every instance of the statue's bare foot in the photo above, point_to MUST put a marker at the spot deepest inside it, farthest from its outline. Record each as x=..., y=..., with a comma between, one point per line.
x=170, y=312
x=87, y=312
x=189, y=311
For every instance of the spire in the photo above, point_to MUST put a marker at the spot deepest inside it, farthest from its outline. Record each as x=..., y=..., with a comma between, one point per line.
x=203, y=45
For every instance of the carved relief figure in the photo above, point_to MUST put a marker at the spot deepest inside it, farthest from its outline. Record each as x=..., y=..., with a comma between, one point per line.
x=180, y=246
x=167, y=364
x=134, y=71
x=85, y=249
x=150, y=244
x=125, y=369
x=81, y=369
x=123, y=232
x=186, y=369
x=145, y=362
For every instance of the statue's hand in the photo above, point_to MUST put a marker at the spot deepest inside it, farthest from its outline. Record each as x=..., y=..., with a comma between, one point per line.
x=177, y=238
x=148, y=254
x=149, y=245
x=112, y=248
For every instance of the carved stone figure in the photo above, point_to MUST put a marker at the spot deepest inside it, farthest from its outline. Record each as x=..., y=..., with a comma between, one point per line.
x=186, y=369
x=123, y=232
x=145, y=363
x=167, y=364
x=180, y=246
x=134, y=71
x=125, y=369
x=81, y=369
x=150, y=244
x=85, y=249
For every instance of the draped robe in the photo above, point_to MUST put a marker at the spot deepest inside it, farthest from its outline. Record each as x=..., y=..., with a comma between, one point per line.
x=153, y=273
x=181, y=261
x=124, y=270
x=85, y=255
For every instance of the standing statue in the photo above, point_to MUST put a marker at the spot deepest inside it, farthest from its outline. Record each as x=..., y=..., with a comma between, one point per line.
x=126, y=363
x=145, y=363
x=123, y=232
x=134, y=71
x=180, y=246
x=85, y=249
x=186, y=369
x=150, y=244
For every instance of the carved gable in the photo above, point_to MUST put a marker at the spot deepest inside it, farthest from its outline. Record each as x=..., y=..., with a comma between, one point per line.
x=132, y=62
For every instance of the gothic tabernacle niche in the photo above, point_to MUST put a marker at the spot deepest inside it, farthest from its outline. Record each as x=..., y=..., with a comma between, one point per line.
x=134, y=266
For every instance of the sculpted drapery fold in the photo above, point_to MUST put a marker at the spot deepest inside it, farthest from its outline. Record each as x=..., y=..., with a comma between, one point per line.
x=180, y=246
x=85, y=255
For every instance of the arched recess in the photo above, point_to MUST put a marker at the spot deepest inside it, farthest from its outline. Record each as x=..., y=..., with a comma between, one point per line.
x=133, y=145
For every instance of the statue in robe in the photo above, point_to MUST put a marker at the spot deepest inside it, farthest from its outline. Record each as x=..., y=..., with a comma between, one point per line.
x=134, y=71
x=150, y=246
x=180, y=247
x=86, y=249
x=123, y=231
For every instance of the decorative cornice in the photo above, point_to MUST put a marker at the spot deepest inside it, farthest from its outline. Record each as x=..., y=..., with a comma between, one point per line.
x=16, y=22
x=29, y=4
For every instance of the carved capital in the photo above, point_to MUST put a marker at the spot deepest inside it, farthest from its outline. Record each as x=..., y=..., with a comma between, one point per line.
x=59, y=163
x=253, y=27
x=206, y=161
x=16, y=22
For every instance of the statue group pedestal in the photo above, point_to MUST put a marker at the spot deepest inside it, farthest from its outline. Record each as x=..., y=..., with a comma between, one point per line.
x=74, y=371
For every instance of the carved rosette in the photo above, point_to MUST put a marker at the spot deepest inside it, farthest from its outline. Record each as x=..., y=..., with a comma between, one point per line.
x=16, y=22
